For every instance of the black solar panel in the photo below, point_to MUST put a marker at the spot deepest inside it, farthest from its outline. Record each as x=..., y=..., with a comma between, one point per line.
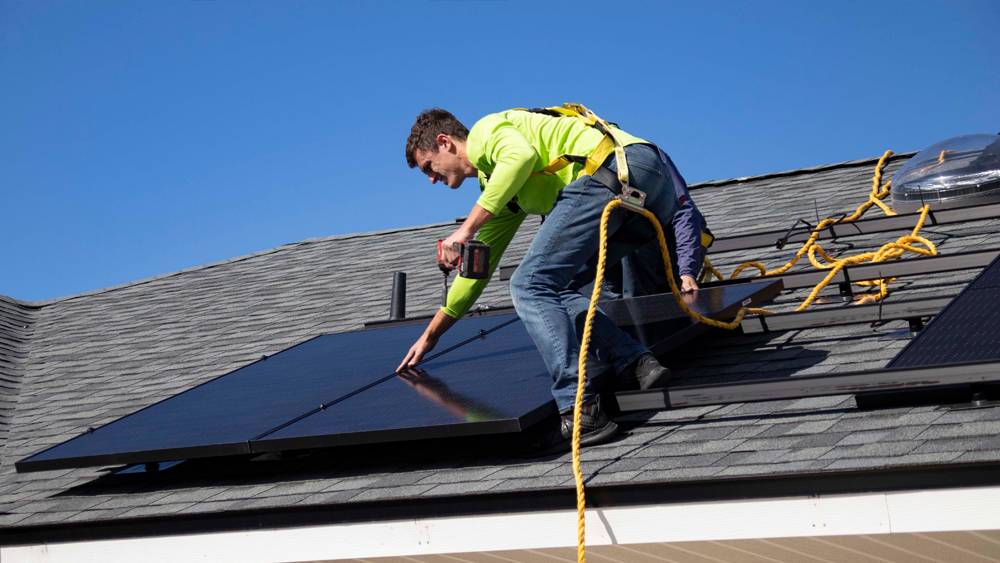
x=495, y=384
x=220, y=417
x=486, y=377
x=966, y=330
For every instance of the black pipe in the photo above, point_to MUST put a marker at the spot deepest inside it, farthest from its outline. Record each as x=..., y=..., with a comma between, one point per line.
x=397, y=308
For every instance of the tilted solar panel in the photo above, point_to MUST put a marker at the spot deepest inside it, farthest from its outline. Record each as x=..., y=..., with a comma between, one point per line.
x=659, y=323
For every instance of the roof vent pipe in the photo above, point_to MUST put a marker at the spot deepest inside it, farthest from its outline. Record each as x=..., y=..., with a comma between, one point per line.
x=397, y=308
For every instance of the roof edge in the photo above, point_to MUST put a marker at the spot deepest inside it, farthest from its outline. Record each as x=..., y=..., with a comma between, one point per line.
x=914, y=512
x=796, y=172
x=893, y=479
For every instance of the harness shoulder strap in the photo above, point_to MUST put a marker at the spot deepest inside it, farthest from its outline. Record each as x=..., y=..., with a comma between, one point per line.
x=610, y=143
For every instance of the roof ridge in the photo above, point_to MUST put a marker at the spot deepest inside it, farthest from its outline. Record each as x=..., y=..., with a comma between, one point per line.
x=16, y=301
x=314, y=240
x=796, y=172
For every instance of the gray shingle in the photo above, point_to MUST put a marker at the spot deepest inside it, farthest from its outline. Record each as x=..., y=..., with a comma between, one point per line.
x=394, y=492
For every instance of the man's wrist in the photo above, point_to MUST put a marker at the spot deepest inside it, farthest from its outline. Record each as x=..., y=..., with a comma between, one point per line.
x=439, y=325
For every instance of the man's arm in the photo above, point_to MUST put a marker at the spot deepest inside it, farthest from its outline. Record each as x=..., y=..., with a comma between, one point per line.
x=428, y=340
x=687, y=225
x=442, y=320
x=497, y=231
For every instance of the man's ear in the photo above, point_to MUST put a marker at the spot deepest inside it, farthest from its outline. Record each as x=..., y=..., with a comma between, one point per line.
x=445, y=143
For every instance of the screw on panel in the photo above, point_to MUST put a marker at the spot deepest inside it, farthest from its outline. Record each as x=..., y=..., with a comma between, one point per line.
x=90, y=430
x=482, y=334
x=264, y=357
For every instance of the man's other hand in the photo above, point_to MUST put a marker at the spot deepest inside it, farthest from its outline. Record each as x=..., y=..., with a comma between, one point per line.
x=425, y=344
x=688, y=284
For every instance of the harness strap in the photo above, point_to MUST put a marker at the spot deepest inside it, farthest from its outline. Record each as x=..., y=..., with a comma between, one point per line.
x=610, y=180
x=611, y=142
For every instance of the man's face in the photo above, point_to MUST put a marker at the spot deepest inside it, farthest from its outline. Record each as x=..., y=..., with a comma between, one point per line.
x=445, y=165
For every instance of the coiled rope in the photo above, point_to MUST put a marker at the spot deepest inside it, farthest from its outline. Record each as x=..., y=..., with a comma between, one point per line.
x=811, y=248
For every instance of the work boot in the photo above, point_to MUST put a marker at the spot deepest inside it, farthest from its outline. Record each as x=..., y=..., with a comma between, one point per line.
x=595, y=428
x=650, y=373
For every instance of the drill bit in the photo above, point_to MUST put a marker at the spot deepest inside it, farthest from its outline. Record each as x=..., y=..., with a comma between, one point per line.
x=444, y=294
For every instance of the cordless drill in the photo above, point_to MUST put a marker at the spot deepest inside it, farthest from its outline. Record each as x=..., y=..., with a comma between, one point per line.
x=473, y=261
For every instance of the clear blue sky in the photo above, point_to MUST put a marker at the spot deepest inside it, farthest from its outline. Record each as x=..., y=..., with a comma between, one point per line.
x=141, y=138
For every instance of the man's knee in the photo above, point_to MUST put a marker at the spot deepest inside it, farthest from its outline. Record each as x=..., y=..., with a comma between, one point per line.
x=519, y=286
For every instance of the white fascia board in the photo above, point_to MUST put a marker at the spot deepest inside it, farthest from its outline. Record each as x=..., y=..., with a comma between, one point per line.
x=946, y=510
x=872, y=513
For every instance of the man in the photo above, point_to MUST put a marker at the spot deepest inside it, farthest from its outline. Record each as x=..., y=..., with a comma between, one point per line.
x=506, y=151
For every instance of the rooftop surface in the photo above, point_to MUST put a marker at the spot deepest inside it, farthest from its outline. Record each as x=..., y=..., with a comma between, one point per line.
x=83, y=361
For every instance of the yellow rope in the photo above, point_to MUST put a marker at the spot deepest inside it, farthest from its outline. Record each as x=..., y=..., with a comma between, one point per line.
x=887, y=252
x=581, y=502
x=709, y=269
x=873, y=199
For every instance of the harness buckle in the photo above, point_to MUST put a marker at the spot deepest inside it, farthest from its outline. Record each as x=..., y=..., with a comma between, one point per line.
x=633, y=199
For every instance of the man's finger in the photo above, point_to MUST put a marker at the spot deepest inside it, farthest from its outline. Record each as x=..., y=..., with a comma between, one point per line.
x=417, y=356
x=406, y=361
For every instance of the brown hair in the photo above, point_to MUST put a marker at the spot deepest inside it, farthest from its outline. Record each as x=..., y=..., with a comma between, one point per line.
x=431, y=123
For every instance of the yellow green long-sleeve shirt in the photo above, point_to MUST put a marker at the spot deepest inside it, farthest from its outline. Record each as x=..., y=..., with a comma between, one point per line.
x=506, y=148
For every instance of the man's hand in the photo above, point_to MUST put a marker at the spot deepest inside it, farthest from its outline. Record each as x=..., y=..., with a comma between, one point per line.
x=476, y=219
x=424, y=344
x=450, y=254
x=688, y=284
x=427, y=341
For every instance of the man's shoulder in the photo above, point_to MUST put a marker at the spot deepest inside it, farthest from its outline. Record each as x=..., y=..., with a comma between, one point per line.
x=483, y=130
x=488, y=123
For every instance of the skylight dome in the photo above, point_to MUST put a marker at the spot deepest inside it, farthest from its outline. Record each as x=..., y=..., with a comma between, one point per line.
x=958, y=172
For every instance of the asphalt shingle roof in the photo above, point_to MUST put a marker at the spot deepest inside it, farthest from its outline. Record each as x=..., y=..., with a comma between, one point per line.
x=86, y=360
x=16, y=321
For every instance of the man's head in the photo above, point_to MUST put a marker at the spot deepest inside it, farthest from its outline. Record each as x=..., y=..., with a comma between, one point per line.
x=437, y=147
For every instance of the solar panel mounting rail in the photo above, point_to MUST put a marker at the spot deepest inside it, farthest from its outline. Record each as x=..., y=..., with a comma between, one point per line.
x=909, y=369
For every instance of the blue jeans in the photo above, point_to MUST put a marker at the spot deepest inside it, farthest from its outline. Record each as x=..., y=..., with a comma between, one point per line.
x=562, y=259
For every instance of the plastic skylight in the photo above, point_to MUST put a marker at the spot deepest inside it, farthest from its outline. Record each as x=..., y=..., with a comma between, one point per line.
x=958, y=172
